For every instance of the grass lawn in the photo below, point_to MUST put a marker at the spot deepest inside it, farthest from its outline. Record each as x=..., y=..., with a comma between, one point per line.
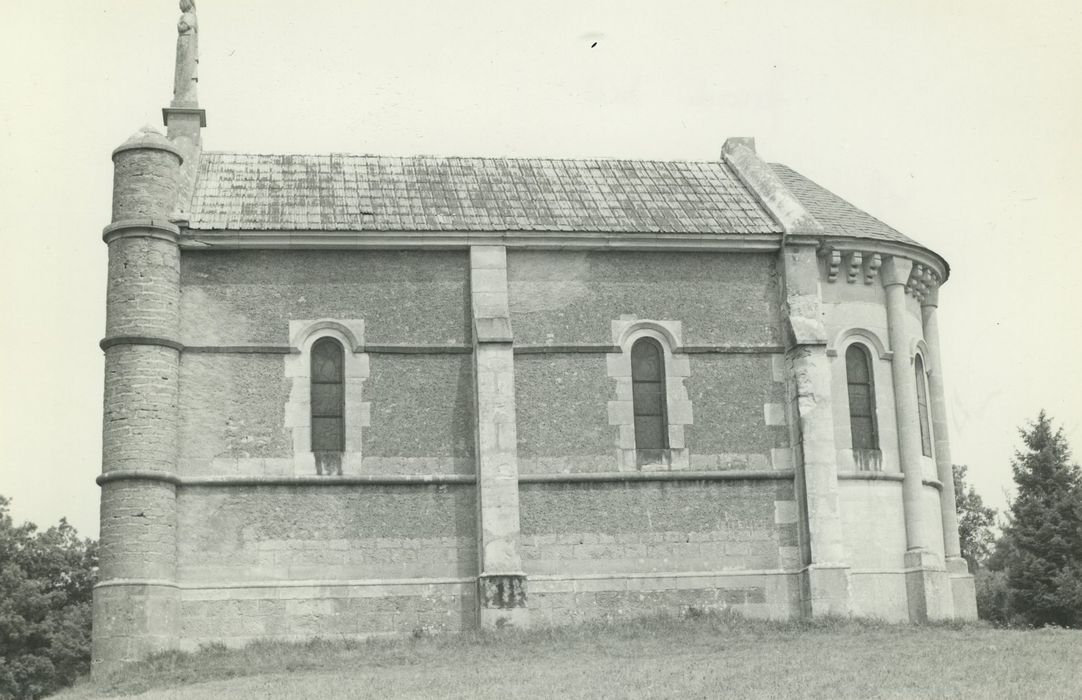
x=708, y=656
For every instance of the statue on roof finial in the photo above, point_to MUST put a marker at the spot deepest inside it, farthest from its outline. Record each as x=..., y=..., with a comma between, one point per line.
x=187, y=75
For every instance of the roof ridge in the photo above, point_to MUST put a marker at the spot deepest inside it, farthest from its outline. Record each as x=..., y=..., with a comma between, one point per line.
x=456, y=157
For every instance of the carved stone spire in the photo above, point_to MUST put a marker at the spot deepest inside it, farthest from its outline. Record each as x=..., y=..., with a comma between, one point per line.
x=186, y=80
x=183, y=117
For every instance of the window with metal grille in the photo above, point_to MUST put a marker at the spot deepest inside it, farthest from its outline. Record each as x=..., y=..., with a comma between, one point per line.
x=328, y=390
x=858, y=374
x=922, y=408
x=648, y=392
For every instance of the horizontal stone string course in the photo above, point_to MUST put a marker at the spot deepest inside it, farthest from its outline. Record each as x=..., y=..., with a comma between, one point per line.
x=284, y=480
x=259, y=349
x=689, y=349
x=107, y=343
x=730, y=475
x=291, y=584
x=885, y=476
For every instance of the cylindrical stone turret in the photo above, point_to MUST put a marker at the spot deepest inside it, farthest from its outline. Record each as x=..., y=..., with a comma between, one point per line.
x=135, y=603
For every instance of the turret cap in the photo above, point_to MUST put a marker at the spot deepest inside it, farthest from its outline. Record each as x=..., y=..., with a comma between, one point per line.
x=148, y=138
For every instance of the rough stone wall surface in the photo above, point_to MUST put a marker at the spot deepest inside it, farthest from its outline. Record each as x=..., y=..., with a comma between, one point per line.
x=232, y=415
x=340, y=611
x=144, y=299
x=325, y=532
x=561, y=406
x=421, y=415
x=569, y=297
x=653, y=526
x=729, y=393
x=240, y=297
x=140, y=405
x=132, y=621
x=564, y=601
x=231, y=407
x=563, y=421
x=144, y=184
x=138, y=526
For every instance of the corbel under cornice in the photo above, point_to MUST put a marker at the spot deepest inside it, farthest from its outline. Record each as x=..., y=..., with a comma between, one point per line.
x=860, y=260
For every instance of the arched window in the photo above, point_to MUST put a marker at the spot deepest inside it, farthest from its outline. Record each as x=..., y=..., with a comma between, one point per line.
x=648, y=392
x=858, y=374
x=922, y=408
x=328, y=393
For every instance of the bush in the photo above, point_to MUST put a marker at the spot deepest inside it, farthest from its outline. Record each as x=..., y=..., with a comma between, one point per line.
x=46, y=584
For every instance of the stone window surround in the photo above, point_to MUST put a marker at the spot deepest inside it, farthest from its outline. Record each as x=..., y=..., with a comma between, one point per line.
x=920, y=349
x=625, y=331
x=877, y=350
x=302, y=336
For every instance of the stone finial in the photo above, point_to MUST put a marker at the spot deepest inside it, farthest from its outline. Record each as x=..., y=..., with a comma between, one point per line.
x=187, y=69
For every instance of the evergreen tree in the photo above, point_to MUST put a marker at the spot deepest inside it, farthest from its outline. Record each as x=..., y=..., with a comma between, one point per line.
x=1044, y=559
x=975, y=520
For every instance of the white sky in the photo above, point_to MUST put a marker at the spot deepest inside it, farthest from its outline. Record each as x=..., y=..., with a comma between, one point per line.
x=956, y=122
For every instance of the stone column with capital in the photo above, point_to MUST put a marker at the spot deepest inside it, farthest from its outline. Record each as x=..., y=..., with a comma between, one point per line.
x=963, y=591
x=825, y=579
x=502, y=582
x=927, y=585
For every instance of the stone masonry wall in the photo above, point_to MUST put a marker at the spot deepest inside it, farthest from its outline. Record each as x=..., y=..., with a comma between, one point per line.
x=653, y=526
x=326, y=533
x=421, y=415
x=233, y=416
x=241, y=615
x=240, y=297
x=617, y=549
x=568, y=297
x=138, y=526
x=139, y=420
x=144, y=299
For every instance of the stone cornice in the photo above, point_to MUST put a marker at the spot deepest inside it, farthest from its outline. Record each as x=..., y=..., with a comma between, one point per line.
x=141, y=228
x=841, y=266
x=194, y=239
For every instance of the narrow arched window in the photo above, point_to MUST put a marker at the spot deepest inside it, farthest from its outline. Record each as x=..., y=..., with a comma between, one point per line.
x=648, y=392
x=328, y=392
x=858, y=374
x=922, y=408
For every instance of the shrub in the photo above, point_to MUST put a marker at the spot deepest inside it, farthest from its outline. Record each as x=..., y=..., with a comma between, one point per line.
x=46, y=582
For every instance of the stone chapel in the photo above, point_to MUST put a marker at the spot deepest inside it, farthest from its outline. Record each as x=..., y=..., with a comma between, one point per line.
x=355, y=395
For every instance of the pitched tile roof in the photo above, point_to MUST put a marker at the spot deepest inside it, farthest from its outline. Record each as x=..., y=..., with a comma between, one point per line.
x=370, y=193
x=839, y=217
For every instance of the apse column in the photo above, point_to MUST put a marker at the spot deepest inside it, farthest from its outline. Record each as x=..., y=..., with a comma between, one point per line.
x=962, y=586
x=925, y=577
